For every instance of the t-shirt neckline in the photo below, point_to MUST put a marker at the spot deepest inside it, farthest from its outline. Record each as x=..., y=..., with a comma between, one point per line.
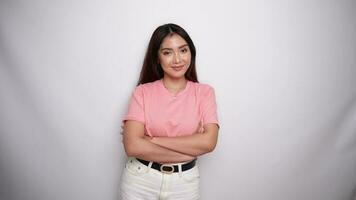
x=179, y=93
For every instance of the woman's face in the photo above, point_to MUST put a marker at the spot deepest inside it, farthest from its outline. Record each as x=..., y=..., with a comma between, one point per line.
x=174, y=56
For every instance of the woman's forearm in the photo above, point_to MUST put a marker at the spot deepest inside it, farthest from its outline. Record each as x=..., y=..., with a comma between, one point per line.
x=136, y=145
x=194, y=145
x=146, y=150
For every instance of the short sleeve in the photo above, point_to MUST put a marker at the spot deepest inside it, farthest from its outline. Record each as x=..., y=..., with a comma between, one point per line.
x=136, y=106
x=209, y=107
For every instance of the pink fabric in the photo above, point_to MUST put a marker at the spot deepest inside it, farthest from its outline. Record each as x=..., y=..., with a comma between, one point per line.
x=164, y=114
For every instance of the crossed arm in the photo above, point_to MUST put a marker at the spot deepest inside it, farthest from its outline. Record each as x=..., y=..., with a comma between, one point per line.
x=168, y=149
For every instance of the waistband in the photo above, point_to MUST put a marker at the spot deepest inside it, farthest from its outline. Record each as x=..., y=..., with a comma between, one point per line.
x=169, y=168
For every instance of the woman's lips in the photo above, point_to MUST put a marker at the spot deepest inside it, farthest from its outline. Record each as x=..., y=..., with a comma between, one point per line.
x=178, y=68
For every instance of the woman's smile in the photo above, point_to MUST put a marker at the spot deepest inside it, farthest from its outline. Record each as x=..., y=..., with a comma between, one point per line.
x=178, y=68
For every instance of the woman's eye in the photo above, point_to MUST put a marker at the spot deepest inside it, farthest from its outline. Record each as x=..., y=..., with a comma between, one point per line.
x=166, y=53
x=184, y=50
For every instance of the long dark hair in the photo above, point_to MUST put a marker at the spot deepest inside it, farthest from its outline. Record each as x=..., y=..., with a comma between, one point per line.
x=151, y=69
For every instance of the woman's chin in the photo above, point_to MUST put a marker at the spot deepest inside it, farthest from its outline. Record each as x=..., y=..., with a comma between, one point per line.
x=171, y=76
x=175, y=75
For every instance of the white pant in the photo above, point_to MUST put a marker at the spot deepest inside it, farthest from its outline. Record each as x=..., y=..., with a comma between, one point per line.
x=141, y=182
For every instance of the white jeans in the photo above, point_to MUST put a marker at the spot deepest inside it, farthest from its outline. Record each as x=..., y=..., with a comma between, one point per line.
x=141, y=182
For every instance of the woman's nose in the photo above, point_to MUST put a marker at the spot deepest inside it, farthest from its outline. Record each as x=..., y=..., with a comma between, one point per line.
x=177, y=58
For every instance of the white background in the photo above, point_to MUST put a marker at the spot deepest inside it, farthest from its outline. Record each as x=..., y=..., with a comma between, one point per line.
x=284, y=73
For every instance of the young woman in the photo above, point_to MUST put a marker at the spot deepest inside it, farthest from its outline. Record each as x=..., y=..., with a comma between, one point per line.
x=171, y=120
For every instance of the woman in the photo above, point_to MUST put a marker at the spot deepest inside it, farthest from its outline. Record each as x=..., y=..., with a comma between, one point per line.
x=171, y=120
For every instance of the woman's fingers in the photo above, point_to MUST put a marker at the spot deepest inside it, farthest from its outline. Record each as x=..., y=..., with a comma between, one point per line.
x=122, y=129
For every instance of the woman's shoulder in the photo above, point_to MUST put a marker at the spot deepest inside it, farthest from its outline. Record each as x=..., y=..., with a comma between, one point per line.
x=148, y=86
x=203, y=90
x=202, y=86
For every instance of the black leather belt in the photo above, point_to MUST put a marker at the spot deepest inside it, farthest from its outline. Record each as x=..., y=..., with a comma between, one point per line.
x=168, y=168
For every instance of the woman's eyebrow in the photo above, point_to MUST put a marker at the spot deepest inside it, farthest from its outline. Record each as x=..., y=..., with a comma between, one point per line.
x=166, y=48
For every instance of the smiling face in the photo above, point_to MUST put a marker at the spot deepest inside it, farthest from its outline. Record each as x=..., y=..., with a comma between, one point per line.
x=174, y=56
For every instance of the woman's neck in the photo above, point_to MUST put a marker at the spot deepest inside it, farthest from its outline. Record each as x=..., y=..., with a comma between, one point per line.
x=174, y=85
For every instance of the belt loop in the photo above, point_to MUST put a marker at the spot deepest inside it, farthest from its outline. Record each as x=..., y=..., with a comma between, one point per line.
x=149, y=166
x=180, y=170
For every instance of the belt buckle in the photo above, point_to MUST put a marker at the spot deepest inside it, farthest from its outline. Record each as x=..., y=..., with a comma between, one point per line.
x=167, y=171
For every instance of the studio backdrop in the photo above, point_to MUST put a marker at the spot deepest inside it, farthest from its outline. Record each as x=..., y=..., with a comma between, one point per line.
x=284, y=74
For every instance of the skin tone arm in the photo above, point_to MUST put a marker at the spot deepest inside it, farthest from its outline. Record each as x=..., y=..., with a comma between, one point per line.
x=197, y=144
x=136, y=145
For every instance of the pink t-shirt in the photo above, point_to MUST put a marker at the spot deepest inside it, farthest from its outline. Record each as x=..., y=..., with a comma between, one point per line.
x=164, y=114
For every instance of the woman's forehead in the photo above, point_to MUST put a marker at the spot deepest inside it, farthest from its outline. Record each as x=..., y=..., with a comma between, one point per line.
x=173, y=41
